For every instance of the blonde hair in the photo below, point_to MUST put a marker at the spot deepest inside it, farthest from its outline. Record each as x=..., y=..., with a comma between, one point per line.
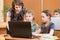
x=29, y=12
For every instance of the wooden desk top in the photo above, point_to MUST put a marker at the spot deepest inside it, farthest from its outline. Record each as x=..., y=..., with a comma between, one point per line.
x=8, y=37
x=2, y=38
x=20, y=39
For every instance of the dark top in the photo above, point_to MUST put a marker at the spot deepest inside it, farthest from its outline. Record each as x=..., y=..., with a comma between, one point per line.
x=47, y=30
x=17, y=17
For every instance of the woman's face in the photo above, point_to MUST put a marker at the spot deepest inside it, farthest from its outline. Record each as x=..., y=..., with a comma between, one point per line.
x=18, y=8
x=45, y=18
x=29, y=17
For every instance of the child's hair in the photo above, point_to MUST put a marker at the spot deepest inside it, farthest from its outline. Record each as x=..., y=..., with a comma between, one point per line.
x=17, y=2
x=47, y=13
x=57, y=10
x=30, y=12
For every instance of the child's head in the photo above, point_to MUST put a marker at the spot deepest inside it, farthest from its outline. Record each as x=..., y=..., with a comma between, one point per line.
x=46, y=16
x=29, y=16
x=17, y=5
x=57, y=13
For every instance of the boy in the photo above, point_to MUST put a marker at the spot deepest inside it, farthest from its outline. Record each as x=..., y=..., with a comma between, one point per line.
x=29, y=17
x=57, y=13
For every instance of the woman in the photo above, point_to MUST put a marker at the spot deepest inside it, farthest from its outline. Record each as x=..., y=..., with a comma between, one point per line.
x=15, y=13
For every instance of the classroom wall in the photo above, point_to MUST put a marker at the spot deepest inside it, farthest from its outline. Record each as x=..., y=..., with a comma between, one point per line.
x=51, y=5
x=1, y=11
x=8, y=2
x=36, y=6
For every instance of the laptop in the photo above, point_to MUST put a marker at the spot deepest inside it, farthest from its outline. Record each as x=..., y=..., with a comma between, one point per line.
x=20, y=29
x=56, y=21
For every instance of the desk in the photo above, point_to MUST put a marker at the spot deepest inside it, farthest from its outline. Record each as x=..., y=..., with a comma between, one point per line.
x=57, y=33
x=2, y=38
x=3, y=28
x=20, y=39
x=8, y=37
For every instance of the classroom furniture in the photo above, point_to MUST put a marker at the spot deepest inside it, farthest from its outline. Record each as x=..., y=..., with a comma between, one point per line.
x=7, y=37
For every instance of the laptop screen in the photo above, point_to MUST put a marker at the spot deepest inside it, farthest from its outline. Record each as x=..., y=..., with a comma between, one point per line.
x=56, y=21
x=20, y=29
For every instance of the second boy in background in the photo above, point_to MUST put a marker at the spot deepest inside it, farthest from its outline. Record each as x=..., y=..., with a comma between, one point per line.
x=57, y=13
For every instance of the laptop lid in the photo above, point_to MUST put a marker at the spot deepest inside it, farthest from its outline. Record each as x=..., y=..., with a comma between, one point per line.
x=20, y=29
x=56, y=21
